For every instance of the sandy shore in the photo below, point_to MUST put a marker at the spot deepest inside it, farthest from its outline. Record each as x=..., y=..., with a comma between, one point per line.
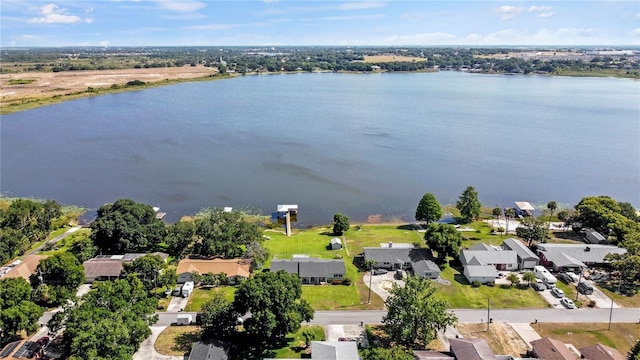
x=49, y=84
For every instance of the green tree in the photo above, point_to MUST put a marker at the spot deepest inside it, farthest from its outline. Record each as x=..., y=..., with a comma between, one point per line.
x=529, y=277
x=563, y=215
x=275, y=303
x=414, y=315
x=496, y=212
x=152, y=271
x=17, y=312
x=224, y=234
x=218, y=317
x=469, y=205
x=627, y=210
x=127, y=226
x=513, y=278
x=532, y=231
x=62, y=273
x=605, y=215
x=394, y=353
x=444, y=239
x=308, y=336
x=110, y=322
x=32, y=218
x=508, y=214
x=12, y=243
x=83, y=249
x=634, y=353
x=340, y=223
x=180, y=237
x=429, y=209
x=551, y=206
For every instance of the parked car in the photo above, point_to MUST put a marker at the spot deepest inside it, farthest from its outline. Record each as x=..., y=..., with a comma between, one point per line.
x=585, y=288
x=557, y=292
x=573, y=276
x=538, y=286
x=399, y=274
x=568, y=303
x=564, y=278
x=43, y=340
x=379, y=271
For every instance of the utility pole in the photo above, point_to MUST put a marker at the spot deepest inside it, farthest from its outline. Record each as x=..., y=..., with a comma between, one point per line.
x=610, y=313
x=579, y=279
x=488, y=312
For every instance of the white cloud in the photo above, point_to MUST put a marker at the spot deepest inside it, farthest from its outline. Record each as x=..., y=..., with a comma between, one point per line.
x=352, y=17
x=182, y=6
x=362, y=5
x=104, y=43
x=53, y=14
x=634, y=32
x=540, y=8
x=211, y=27
x=412, y=16
x=88, y=20
x=508, y=12
x=546, y=14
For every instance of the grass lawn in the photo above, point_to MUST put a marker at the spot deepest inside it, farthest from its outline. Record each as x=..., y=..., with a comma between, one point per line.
x=202, y=295
x=621, y=336
x=177, y=340
x=296, y=346
x=620, y=299
x=461, y=295
x=64, y=244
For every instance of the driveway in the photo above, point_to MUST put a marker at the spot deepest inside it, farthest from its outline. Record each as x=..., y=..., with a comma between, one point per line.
x=552, y=300
x=177, y=304
x=348, y=332
x=602, y=301
x=381, y=284
x=148, y=352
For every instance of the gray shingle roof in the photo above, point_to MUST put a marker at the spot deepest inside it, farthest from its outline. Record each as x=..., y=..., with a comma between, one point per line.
x=396, y=255
x=586, y=253
x=481, y=271
x=334, y=350
x=471, y=349
x=310, y=267
x=423, y=266
x=486, y=257
x=521, y=249
x=208, y=350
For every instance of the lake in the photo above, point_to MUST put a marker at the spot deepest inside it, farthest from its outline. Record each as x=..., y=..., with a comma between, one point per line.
x=352, y=143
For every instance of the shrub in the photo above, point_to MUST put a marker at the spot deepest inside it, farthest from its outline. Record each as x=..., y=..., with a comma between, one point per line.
x=476, y=283
x=336, y=282
x=591, y=304
x=135, y=83
x=346, y=281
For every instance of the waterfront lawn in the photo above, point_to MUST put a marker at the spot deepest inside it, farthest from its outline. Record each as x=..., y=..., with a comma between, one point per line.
x=202, y=295
x=482, y=234
x=461, y=295
x=313, y=242
x=374, y=235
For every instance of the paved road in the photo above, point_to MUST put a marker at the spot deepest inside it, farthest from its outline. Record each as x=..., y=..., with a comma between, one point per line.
x=622, y=315
x=55, y=239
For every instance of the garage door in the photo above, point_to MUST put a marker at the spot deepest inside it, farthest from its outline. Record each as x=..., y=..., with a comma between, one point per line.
x=529, y=264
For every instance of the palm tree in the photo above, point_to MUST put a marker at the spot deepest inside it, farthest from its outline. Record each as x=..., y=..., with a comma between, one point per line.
x=513, y=278
x=509, y=213
x=552, y=206
x=496, y=212
x=529, y=277
x=369, y=264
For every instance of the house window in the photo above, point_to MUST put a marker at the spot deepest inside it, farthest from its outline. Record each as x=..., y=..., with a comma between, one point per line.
x=386, y=263
x=337, y=275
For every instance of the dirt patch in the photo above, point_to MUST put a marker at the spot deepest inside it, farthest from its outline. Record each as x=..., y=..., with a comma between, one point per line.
x=502, y=339
x=49, y=84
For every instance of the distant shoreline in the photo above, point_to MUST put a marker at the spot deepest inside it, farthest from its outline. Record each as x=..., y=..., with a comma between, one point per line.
x=33, y=94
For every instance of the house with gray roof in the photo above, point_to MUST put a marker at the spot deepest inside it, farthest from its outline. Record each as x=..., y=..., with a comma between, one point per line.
x=403, y=256
x=312, y=270
x=482, y=262
x=526, y=258
x=471, y=349
x=208, y=350
x=333, y=350
x=594, y=237
x=573, y=257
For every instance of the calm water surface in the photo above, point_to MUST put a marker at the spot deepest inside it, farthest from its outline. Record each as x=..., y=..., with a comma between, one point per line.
x=358, y=144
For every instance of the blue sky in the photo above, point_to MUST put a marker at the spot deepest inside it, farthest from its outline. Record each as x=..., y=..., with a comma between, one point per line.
x=288, y=22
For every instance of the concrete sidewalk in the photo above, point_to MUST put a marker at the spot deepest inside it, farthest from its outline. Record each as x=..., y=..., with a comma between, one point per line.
x=526, y=332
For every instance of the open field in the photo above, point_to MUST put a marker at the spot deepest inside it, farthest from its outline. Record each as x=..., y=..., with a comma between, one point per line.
x=621, y=336
x=501, y=337
x=32, y=89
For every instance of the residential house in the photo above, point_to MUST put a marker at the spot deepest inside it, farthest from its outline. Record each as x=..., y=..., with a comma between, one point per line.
x=524, y=208
x=482, y=262
x=312, y=270
x=471, y=349
x=336, y=244
x=430, y=355
x=24, y=268
x=551, y=349
x=234, y=269
x=594, y=237
x=601, y=352
x=109, y=267
x=208, y=350
x=404, y=256
x=526, y=258
x=333, y=350
x=574, y=257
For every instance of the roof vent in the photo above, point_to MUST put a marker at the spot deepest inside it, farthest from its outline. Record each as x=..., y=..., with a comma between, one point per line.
x=587, y=249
